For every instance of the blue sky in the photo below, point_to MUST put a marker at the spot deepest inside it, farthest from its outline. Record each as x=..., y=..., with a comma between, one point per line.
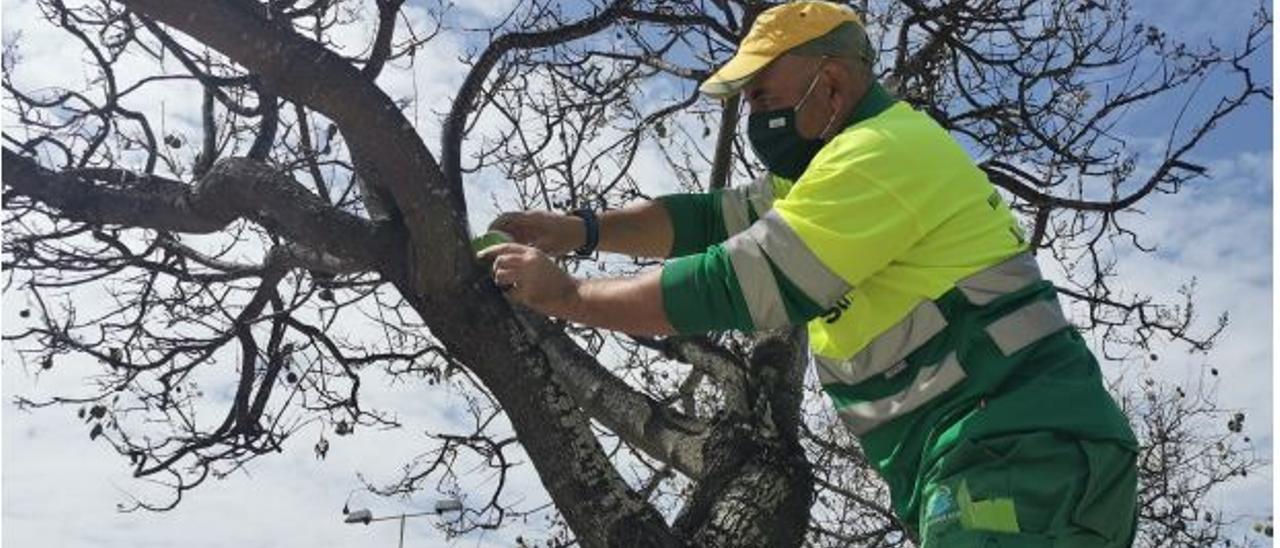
x=1219, y=231
x=61, y=490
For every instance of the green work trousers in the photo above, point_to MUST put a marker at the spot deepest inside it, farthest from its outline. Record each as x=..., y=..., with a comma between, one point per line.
x=1030, y=490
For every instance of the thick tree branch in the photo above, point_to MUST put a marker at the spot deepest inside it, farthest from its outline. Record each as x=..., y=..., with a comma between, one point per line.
x=600, y=507
x=234, y=188
x=662, y=432
x=433, y=214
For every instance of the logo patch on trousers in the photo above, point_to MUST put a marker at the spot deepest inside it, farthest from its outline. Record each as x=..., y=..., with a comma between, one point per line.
x=941, y=507
x=944, y=506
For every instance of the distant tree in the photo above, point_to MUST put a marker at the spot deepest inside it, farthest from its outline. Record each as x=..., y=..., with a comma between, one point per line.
x=259, y=254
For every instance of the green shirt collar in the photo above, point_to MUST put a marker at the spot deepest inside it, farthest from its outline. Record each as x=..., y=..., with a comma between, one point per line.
x=874, y=101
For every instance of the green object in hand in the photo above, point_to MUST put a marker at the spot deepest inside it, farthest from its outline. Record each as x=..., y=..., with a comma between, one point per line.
x=489, y=239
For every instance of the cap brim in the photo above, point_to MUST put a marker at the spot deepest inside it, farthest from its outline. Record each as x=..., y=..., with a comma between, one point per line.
x=734, y=75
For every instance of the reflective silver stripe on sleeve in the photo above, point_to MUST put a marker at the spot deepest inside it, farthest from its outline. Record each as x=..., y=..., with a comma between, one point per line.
x=1026, y=325
x=828, y=369
x=733, y=205
x=929, y=383
x=760, y=194
x=759, y=287
x=797, y=261
x=887, y=349
x=1011, y=275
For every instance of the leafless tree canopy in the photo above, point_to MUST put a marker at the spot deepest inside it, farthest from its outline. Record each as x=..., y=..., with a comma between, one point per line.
x=303, y=239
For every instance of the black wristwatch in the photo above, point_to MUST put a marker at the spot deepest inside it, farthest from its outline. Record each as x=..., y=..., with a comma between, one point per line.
x=593, y=231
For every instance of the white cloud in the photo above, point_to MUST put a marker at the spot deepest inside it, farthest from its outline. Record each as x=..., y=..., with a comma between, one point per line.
x=24, y=23
x=488, y=11
x=1217, y=231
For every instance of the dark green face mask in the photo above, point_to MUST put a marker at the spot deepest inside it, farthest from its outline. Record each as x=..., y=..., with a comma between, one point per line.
x=778, y=143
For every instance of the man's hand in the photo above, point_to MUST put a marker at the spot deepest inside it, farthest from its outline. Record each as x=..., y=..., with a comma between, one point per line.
x=553, y=233
x=530, y=278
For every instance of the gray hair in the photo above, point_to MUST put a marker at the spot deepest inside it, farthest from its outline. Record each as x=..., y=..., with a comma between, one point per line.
x=847, y=43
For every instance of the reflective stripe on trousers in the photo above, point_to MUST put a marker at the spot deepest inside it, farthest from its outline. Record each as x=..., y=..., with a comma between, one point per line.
x=887, y=353
x=929, y=383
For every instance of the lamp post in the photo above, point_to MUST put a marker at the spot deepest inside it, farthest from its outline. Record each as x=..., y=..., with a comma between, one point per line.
x=366, y=517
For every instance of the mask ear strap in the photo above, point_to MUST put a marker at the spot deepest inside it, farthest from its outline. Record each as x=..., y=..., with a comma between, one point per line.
x=823, y=134
x=812, y=84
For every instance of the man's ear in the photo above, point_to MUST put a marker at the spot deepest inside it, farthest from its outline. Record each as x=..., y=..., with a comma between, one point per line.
x=837, y=82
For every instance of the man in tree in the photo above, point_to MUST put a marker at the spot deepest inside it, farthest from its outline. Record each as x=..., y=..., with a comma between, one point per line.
x=934, y=335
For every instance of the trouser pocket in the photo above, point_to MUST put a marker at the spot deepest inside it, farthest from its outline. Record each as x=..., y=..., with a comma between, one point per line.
x=1108, y=503
x=1030, y=489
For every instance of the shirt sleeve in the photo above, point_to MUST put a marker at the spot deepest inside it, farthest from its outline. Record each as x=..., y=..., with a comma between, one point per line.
x=701, y=293
x=834, y=229
x=704, y=219
x=695, y=222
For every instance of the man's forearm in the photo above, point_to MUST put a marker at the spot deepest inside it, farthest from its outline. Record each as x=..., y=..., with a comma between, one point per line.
x=631, y=305
x=639, y=230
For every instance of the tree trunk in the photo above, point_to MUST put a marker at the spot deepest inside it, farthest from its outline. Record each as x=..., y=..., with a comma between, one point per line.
x=757, y=485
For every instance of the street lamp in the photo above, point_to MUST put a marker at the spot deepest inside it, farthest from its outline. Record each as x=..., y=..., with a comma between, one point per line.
x=366, y=517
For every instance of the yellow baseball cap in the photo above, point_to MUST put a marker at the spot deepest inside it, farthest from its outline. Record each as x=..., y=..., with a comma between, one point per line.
x=775, y=32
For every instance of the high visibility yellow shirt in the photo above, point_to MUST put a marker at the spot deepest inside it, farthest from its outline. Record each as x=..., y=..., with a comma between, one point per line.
x=890, y=212
x=922, y=303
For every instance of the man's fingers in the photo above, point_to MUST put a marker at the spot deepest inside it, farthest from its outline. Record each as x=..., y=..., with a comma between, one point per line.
x=494, y=251
x=509, y=273
x=504, y=276
x=506, y=280
x=512, y=266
